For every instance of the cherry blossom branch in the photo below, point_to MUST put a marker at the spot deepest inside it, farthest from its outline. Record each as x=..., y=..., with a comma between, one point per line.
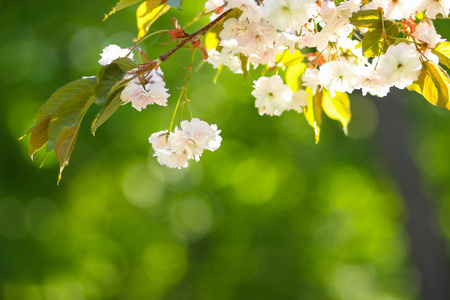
x=191, y=37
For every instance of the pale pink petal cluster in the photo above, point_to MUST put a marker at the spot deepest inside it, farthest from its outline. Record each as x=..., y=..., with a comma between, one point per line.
x=147, y=90
x=188, y=142
x=435, y=7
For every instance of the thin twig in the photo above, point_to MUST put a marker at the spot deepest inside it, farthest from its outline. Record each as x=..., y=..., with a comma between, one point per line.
x=191, y=37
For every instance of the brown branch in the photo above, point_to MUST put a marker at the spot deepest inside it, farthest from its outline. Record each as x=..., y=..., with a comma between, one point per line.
x=191, y=37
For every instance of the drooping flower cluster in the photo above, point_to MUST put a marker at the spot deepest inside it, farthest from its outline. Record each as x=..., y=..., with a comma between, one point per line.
x=175, y=149
x=337, y=60
x=142, y=90
x=172, y=149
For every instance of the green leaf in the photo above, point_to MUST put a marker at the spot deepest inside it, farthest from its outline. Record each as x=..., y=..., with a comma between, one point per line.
x=374, y=44
x=39, y=132
x=148, y=12
x=370, y=18
x=108, y=109
x=109, y=76
x=121, y=5
x=38, y=136
x=175, y=3
x=434, y=84
x=61, y=95
x=65, y=124
x=313, y=114
x=337, y=108
x=442, y=50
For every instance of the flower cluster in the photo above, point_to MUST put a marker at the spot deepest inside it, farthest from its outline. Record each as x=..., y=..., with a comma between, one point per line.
x=306, y=55
x=337, y=60
x=174, y=149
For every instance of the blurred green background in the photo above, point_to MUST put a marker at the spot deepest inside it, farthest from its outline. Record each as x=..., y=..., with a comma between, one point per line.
x=269, y=215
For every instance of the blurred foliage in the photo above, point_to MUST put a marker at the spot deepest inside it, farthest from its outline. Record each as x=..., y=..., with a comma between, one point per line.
x=270, y=215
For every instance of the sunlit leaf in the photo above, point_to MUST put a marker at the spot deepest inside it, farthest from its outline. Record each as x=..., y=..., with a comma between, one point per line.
x=434, y=84
x=148, y=12
x=289, y=59
x=108, y=109
x=293, y=76
x=337, y=108
x=374, y=43
x=121, y=5
x=109, y=76
x=313, y=114
x=414, y=87
x=211, y=40
x=442, y=50
x=370, y=18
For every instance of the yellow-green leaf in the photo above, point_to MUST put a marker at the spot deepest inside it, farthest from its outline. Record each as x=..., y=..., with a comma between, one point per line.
x=337, y=108
x=370, y=18
x=121, y=5
x=442, y=50
x=293, y=76
x=148, y=12
x=313, y=114
x=374, y=43
x=434, y=84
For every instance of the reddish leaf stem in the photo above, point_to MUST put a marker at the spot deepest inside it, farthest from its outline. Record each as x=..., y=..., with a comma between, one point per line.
x=193, y=36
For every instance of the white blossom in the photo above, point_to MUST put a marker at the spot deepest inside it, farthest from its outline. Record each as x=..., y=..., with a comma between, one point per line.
x=193, y=138
x=435, y=7
x=299, y=100
x=400, y=65
x=164, y=154
x=113, y=52
x=369, y=81
x=337, y=76
x=272, y=95
x=218, y=59
x=289, y=14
